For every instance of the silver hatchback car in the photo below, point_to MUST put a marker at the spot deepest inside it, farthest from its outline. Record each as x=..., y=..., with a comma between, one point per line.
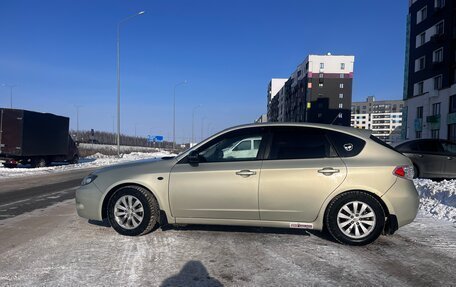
x=292, y=175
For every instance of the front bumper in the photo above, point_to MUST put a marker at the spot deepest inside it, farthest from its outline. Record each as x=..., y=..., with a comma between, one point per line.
x=403, y=201
x=89, y=202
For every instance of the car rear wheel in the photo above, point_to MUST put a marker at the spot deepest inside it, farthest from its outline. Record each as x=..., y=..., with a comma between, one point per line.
x=133, y=210
x=355, y=218
x=416, y=171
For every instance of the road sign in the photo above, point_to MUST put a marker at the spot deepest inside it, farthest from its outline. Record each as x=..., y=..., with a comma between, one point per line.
x=157, y=139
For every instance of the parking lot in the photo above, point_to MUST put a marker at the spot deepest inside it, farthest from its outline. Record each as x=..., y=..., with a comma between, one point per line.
x=54, y=247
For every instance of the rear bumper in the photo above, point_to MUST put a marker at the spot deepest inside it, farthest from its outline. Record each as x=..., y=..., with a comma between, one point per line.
x=402, y=200
x=88, y=202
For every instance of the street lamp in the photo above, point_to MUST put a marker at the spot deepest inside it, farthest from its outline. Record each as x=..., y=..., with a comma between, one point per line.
x=118, y=76
x=174, y=112
x=193, y=123
x=11, y=93
x=202, y=128
x=77, y=120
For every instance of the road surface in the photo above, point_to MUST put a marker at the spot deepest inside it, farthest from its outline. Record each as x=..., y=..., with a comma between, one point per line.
x=54, y=247
x=25, y=194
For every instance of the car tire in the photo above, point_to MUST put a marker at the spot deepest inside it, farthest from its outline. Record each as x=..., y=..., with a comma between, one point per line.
x=133, y=211
x=75, y=159
x=355, y=218
x=39, y=162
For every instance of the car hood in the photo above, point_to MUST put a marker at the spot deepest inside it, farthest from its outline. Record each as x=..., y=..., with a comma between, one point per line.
x=139, y=166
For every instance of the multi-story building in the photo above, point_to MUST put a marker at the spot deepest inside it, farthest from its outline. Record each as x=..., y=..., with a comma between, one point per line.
x=273, y=88
x=430, y=70
x=318, y=91
x=384, y=118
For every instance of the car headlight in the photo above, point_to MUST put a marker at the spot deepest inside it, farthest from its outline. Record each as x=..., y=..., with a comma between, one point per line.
x=88, y=179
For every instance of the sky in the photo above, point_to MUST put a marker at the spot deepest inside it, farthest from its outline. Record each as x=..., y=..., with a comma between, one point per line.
x=61, y=54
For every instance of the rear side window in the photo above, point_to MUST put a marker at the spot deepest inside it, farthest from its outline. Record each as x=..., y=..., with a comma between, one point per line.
x=299, y=143
x=430, y=147
x=346, y=145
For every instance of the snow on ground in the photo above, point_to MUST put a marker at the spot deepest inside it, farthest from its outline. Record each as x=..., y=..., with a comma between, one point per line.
x=438, y=198
x=96, y=160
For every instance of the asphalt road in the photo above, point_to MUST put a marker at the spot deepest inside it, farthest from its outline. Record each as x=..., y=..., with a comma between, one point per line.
x=25, y=194
x=54, y=247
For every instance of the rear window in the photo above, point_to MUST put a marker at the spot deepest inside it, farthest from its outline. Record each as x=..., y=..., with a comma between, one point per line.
x=346, y=145
x=380, y=142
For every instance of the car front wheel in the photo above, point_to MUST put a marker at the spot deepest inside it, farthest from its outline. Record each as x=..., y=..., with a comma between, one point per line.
x=133, y=210
x=355, y=218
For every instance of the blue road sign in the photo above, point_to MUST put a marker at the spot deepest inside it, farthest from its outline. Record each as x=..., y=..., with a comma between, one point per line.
x=157, y=139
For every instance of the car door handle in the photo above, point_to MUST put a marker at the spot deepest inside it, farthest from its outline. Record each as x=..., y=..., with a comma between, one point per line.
x=328, y=171
x=449, y=158
x=246, y=173
x=419, y=155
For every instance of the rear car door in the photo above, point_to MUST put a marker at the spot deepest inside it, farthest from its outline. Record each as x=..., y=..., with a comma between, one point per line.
x=431, y=157
x=300, y=170
x=449, y=148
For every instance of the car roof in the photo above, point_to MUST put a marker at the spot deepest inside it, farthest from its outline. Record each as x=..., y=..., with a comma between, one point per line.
x=349, y=130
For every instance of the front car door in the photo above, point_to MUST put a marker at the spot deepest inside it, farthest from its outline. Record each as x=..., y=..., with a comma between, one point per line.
x=431, y=158
x=222, y=185
x=300, y=171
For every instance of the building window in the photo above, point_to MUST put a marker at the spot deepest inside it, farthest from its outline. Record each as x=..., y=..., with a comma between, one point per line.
x=340, y=115
x=299, y=73
x=452, y=132
x=435, y=134
x=341, y=76
x=437, y=56
x=421, y=15
x=418, y=134
x=420, y=88
x=421, y=64
x=322, y=65
x=422, y=38
x=341, y=96
x=341, y=86
x=439, y=28
x=320, y=75
x=419, y=112
x=341, y=106
x=438, y=82
x=452, y=104
x=439, y=3
x=436, y=109
x=342, y=66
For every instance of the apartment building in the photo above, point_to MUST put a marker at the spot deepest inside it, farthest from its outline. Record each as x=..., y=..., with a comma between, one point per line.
x=430, y=70
x=318, y=91
x=384, y=118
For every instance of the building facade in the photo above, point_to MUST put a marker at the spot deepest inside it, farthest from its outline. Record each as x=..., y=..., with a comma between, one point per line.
x=318, y=91
x=430, y=70
x=384, y=118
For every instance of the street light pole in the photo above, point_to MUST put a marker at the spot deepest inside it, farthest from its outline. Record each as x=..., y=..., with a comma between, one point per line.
x=174, y=112
x=193, y=123
x=77, y=120
x=202, y=128
x=11, y=93
x=118, y=76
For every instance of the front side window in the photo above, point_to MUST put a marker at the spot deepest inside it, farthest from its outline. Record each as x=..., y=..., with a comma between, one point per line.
x=430, y=146
x=239, y=145
x=299, y=143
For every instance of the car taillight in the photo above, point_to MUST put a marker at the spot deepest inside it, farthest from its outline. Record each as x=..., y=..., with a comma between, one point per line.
x=405, y=171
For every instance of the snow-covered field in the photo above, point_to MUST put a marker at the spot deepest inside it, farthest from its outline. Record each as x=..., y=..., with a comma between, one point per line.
x=438, y=198
x=96, y=160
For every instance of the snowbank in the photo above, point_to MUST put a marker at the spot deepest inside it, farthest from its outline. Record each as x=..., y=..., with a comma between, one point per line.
x=96, y=160
x=438, y=199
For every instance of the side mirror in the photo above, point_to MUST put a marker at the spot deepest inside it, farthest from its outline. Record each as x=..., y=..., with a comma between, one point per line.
x=193, y=157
